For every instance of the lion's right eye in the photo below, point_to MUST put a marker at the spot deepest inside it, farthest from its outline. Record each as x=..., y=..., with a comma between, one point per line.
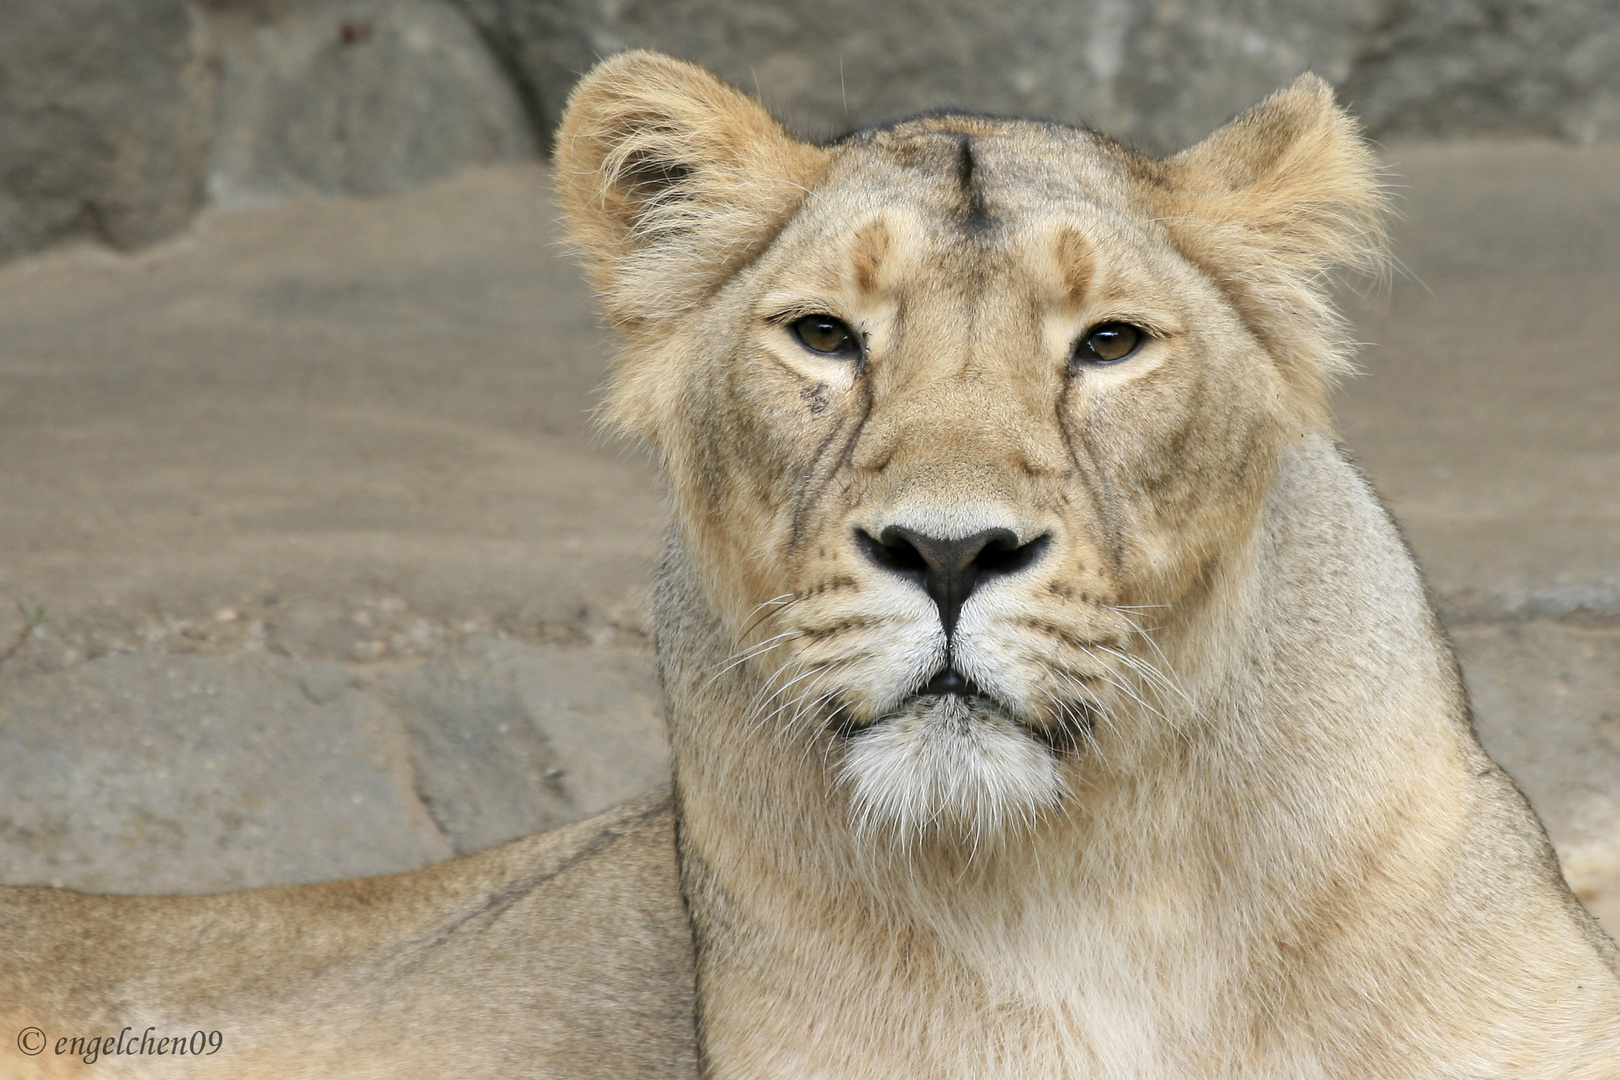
x=827, y=335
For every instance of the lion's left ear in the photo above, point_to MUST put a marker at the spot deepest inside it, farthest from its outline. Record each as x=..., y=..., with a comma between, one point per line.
x=669, y=178
x=1268, y=205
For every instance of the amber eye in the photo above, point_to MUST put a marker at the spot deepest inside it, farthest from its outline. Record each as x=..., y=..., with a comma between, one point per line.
x=826, y=335
x=1109, y=342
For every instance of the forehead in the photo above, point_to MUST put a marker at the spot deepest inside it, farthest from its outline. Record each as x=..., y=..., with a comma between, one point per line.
x=1020, y=164
x=970, y=195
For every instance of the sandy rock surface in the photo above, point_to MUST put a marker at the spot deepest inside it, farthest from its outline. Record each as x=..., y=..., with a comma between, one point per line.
x=1489, y=417
x=336, y=579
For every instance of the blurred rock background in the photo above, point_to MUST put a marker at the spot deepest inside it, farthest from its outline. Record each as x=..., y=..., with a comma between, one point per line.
x=120, y=119
x=309, y=563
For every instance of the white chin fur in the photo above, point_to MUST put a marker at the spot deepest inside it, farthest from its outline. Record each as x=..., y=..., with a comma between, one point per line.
x=943, y=767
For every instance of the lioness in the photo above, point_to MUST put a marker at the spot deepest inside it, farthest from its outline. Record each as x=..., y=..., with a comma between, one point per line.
x=1049, y=696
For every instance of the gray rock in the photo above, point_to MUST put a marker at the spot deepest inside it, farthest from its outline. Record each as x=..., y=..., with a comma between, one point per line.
x=108, y=107
x=510, y=738
x=151, y=773
x=544, y=47
x=106, y=112
x=485, y=771
x=1158, y=75
x=354, y=96
x=155, y=774
x=1547, y=702
x=1446, y=67
x=1161, y=75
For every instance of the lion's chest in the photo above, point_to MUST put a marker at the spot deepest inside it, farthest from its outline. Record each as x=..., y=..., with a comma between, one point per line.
x=1075, y=1003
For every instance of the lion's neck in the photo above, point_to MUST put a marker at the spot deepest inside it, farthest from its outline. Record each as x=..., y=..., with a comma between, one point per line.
x=1158, y=890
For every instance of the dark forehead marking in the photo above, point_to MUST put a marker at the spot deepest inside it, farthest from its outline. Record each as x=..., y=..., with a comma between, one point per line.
x=933, y=140
x=975, y=216
x=939, y=147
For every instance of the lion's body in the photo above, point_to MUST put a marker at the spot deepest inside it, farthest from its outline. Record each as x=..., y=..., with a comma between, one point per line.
x=1216, y=918
x=1180, y=781
x=563, y=955
x=1036, y=712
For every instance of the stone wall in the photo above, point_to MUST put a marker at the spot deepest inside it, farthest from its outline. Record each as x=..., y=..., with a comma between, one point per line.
x=360, y=97
x=118, y=117
x=106, y=109
x=1160, y=74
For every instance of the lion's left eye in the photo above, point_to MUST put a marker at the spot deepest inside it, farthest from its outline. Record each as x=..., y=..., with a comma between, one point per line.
x=1109, y=342
x=827, y=335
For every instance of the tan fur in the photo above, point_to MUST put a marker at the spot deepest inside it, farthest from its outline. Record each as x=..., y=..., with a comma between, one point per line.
x=1263, y=841
x=563, y=955
x=1218, y=810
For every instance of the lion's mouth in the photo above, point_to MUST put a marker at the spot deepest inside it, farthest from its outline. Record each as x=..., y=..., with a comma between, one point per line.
x=950, y=681
x=950, y=692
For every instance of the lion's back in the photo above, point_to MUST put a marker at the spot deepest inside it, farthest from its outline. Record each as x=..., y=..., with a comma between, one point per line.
x=566, y=954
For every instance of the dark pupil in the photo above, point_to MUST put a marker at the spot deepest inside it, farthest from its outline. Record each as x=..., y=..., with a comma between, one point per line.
x=1113, y=341
x=822, y=333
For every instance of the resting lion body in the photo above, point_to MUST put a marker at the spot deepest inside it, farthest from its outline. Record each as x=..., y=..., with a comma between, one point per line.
x=1049, y=696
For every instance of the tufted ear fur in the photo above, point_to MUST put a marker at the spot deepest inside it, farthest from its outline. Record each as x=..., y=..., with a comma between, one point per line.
x=1270, y=204
x=669, y=179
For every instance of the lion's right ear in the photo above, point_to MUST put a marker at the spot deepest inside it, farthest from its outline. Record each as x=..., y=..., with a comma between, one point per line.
x=669, y=179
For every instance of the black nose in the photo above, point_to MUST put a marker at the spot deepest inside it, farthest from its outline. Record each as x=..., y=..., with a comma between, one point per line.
x=950, y=569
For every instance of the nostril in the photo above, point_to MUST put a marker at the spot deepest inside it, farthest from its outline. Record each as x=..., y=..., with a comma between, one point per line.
x=1007, y=556
x=894, y=552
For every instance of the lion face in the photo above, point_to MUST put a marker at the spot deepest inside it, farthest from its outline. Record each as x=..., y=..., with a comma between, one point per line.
x=962, y=516
x=957, y=415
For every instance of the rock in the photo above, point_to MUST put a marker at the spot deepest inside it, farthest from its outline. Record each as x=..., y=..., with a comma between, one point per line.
x=106, y=115
x=1446, y=67
x=155, y=774
x=511, y=738
x=354, y=96
x=363, y=425
x=543, y=45
x=1547, y=703
x=1161, y=75
x=1157, y=75
x=108, y=109
x=1507, y=486
x=150, y=773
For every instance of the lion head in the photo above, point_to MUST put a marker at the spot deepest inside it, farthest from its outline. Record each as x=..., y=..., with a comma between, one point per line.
x=963, y=417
